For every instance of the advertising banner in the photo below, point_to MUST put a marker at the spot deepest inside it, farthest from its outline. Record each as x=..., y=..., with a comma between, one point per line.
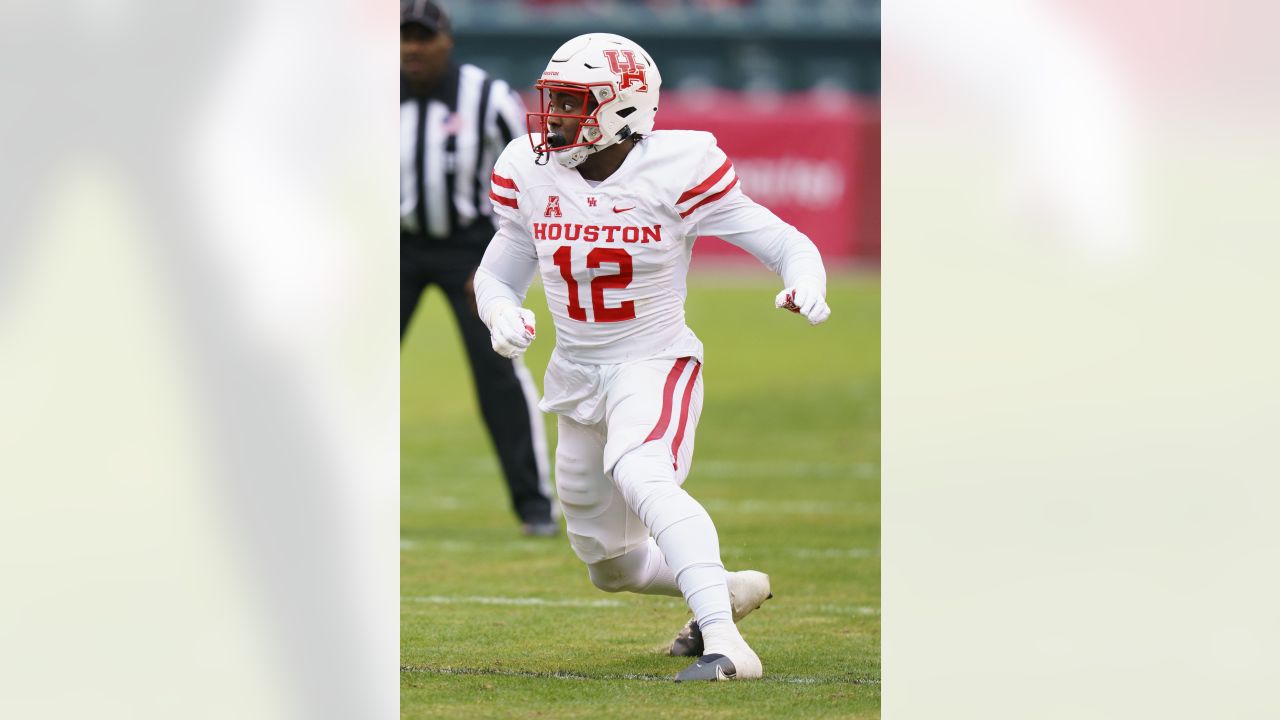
x=811, y=158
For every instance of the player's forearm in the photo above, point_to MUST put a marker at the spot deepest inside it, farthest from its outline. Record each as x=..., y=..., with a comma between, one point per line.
x=784, y=250
x=800, y=261
x=745, y=223
x=492, y=292
x=503, y=277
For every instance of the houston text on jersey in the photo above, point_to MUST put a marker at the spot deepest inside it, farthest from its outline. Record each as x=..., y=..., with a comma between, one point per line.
x=597, y=233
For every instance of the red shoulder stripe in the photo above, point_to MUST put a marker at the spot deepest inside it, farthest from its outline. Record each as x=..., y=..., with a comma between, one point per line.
x=509, y=202
x=503, y=182
x=707, y=184
x=711, y=198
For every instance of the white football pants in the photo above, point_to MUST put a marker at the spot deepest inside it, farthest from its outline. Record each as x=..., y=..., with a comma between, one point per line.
x=619, y=482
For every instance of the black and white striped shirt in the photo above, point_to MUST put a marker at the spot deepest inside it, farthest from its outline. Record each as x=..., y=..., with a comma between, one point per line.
x=449, y=141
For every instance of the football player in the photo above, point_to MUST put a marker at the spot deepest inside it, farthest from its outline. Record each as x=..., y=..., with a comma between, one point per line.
x=607, y=210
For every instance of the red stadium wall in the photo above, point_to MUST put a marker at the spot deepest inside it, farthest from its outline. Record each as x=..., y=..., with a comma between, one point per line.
x=814, y=160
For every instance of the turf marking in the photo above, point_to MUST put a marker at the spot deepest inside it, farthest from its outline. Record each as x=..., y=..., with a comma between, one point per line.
x=833, y=552
x=487, y=600
x=564, y=675
x=789, y=507
x=733, y=551
x=752, y=468
x=605, y=603
x=842, y=609
x=528, y=547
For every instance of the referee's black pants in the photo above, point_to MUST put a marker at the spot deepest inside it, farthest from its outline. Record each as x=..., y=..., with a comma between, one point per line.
x=452, y=266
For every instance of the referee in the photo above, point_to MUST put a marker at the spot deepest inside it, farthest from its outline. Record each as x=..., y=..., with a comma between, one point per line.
x=454, y=122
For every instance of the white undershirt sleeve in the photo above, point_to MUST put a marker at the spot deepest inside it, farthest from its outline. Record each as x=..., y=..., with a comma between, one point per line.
x=507, y=269
x=745, y=223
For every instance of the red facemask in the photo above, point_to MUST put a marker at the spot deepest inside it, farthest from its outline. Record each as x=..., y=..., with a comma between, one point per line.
x=542, y=136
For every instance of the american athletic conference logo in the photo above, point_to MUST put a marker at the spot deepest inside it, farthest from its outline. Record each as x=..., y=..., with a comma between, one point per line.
x=553, y=207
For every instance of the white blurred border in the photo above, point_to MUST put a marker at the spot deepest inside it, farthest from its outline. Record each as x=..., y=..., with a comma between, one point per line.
x=1080, y=382
x=199, y=361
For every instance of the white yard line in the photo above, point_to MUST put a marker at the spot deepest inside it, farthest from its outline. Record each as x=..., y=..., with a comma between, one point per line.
x=489, y=600
x=510, y=547
x=562, y=675
x=841, y=609
x=734, y=551
x=525, y=546
x=834, y=552
x=604, y=603
x=785, y=468
x=787, y=507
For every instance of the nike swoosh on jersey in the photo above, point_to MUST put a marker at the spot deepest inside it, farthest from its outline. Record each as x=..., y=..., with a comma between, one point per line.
x=619, y=210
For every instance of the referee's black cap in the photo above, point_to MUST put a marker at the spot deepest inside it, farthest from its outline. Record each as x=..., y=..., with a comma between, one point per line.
x=425, y=13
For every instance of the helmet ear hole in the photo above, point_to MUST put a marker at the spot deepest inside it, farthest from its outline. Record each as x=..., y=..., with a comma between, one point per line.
x=624, y=112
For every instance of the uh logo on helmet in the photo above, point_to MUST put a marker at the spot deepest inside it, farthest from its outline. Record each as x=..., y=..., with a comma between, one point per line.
x=616, y=85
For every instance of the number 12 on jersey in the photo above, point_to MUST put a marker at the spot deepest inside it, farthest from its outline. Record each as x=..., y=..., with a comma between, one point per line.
x=598, y=256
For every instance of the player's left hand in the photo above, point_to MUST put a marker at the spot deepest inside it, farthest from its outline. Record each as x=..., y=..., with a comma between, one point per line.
x=807, y=300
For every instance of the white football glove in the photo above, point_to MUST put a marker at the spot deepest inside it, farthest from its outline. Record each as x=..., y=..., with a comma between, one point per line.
x=511, y=330
x=806, y=299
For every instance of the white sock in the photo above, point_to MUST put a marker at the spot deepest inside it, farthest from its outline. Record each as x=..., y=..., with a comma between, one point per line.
x=680, y=527
x=722, y=639
x=705, y=590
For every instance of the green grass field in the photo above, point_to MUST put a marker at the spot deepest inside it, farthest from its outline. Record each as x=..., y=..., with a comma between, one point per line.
x=788, y=464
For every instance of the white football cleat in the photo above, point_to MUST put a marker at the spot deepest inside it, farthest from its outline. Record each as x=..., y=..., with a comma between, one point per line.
x=735, y=661
x=748, y=589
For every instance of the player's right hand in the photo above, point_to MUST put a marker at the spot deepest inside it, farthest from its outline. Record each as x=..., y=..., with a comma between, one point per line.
x=511, y=330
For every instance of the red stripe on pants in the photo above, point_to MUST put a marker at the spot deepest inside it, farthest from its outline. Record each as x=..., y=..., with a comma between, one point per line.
x=684, y=417
x=668, y=399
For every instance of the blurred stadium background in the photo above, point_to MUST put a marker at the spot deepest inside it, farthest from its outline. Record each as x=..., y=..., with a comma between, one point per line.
x=790, y=88
x=788, y=458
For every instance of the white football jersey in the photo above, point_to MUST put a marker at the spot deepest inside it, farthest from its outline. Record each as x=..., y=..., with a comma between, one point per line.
x=613, y=256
